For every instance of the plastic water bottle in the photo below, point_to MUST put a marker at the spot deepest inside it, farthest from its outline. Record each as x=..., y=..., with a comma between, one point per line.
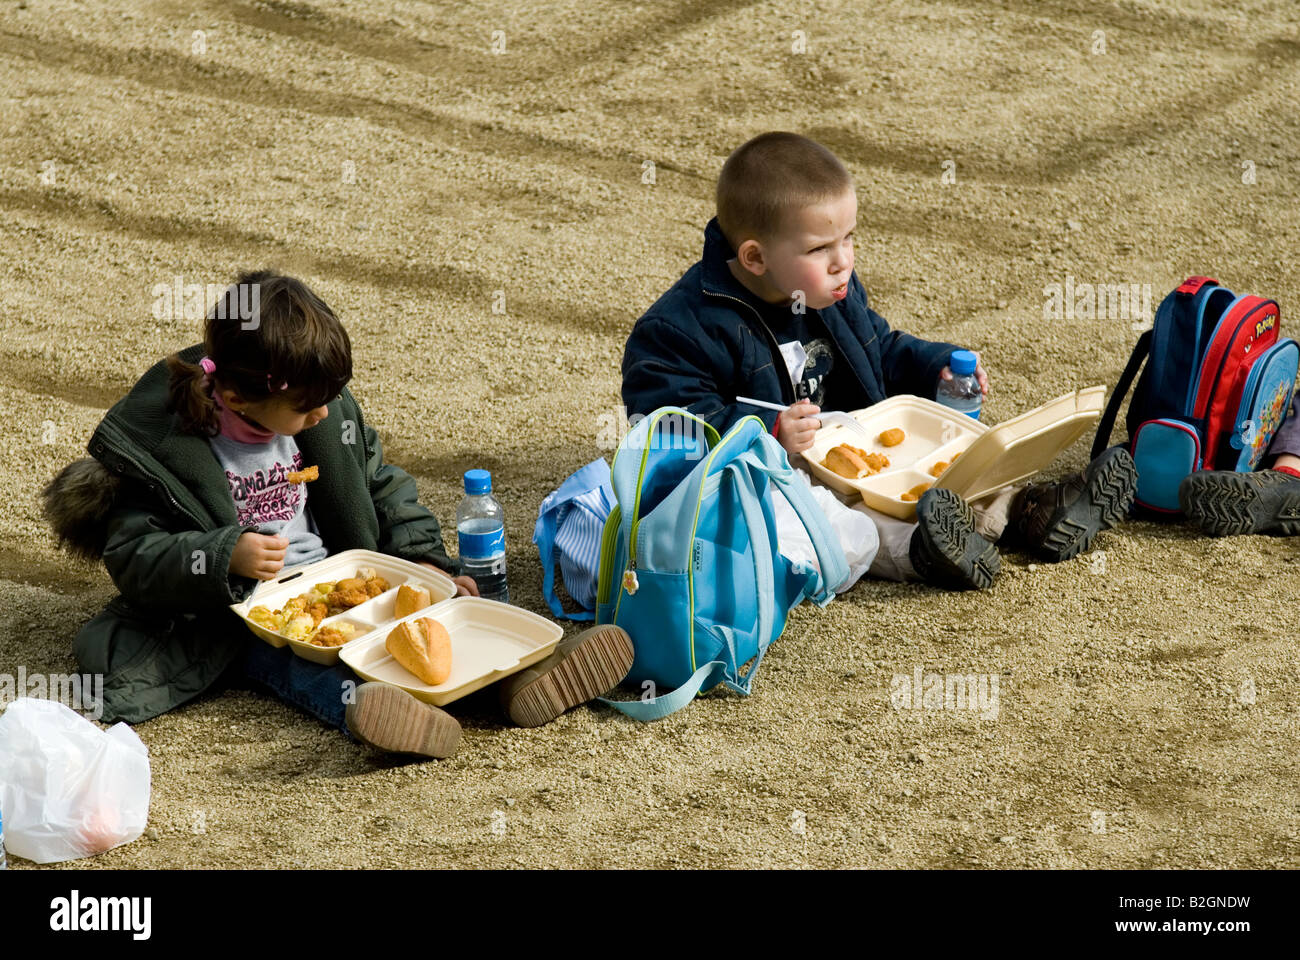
x=480, y=526
x=962, y=392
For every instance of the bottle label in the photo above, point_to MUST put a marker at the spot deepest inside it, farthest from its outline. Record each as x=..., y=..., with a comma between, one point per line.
x=482, y=546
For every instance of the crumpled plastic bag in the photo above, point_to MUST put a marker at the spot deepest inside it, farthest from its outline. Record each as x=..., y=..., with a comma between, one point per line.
x=67, y=788
x=856, y=532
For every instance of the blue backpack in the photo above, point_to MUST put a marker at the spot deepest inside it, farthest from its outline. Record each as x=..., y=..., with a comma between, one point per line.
x=689, y=560
x=1217, y=384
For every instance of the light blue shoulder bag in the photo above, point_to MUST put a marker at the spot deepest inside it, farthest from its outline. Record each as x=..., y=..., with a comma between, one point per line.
x=689, y=561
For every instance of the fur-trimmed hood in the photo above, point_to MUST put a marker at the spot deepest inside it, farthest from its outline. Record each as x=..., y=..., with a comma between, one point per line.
x=77, y=503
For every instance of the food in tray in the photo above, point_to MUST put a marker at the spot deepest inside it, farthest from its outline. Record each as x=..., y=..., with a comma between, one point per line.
x=335, y=635
x=913, y=495
x=306, y=475
x=853, y=462
x=938, y=467
x=301, y=616
x=892, y=437
x=423, y=647
x=353, y=591
x=410, y=598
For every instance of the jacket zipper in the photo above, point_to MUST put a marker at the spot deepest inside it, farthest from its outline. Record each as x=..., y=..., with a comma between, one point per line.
x=775, y=348
x=158, y=485
x=787, y=388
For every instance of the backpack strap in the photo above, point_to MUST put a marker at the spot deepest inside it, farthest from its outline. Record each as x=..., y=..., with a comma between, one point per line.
x=771, y=460
x=590, y=477
x=658, y=707
x=1192, y=285
x=1126, y=378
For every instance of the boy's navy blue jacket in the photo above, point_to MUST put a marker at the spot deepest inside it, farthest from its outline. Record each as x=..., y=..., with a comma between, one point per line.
x=703, y=343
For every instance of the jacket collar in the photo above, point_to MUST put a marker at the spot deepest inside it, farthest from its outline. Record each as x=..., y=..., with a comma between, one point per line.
x=716, y=277
x=138, y=437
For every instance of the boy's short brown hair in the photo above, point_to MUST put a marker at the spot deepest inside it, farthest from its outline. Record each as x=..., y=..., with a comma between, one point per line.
x=767, y=177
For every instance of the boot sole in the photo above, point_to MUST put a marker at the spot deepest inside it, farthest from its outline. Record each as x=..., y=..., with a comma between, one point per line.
x=948, y=528
x=1109, y=486
x=596, y=666
x=1229, y=504
x=390, y=719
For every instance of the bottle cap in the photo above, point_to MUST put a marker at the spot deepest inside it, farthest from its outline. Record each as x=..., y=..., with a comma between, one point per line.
x=962, y=363
x=478, y=481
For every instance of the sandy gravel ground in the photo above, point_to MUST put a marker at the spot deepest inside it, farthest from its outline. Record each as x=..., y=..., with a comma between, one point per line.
x=387, y=155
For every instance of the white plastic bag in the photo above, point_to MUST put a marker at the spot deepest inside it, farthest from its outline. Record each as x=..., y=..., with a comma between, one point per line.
x=67, y=788
x=856, y=532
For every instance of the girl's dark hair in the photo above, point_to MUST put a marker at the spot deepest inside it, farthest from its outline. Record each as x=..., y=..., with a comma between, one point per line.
x=264, y=331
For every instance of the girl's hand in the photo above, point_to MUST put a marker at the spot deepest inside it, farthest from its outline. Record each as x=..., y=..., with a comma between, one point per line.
x=980, y=375
x=258, y=556
x=797, y=425
x=465, y=586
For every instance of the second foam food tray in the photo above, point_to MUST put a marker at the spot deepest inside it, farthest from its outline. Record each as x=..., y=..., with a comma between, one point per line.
x=489, y=640
x=367, y=619
x=988, y=458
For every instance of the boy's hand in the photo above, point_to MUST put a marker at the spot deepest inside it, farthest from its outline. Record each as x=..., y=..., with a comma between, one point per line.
x=980, y=375
x=797, y=425
x=258, y=556
x=465, y=586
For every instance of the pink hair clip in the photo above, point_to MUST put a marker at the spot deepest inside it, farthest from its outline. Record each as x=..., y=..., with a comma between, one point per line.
x=207, y=365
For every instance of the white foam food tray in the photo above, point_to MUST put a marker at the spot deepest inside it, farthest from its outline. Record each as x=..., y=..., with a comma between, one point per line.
x=371, y=618
x=489, y=640
x=992, y=458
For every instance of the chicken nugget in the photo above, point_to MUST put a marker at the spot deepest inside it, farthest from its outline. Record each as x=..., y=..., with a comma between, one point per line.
x=306, y=475
x=892, y=438
x=375, y=586
x=913, y=495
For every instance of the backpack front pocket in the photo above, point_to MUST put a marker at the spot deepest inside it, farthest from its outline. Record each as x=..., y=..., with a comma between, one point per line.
x=1164, y=451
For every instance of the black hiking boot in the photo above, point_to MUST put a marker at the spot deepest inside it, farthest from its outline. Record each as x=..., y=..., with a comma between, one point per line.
x=1057, y=521
x=1224, y=503
x=945, y=549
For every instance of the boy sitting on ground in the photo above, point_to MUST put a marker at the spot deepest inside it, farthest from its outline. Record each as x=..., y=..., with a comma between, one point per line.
x=774, y=311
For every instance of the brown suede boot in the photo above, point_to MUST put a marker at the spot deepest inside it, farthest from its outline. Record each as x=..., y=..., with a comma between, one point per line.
x=390, y=719
x=583, y=667
x=1057, y=521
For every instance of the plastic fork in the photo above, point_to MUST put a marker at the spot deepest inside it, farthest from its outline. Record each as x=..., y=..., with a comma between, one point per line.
x=826, y=417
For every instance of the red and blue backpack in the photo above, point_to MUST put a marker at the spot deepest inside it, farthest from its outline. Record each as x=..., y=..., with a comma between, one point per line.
x=1218, y=383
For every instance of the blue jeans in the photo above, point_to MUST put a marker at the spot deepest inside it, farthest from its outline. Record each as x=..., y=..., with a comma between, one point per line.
x=1287, y=438
x=312, y=687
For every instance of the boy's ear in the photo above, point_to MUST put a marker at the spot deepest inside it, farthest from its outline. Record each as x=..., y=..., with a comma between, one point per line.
x=750, y=256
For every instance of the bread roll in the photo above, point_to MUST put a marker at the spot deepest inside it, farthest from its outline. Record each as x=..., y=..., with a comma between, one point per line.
x=423, y=647
x=847, y=461
x=410, y=599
